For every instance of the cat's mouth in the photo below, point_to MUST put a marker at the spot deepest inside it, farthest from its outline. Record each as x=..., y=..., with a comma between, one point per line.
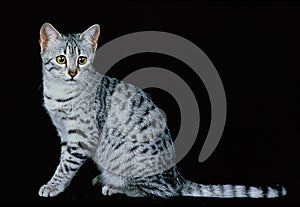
x=71, y=80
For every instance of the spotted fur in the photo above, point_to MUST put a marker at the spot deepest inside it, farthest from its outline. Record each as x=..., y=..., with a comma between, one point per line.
x=115, y=124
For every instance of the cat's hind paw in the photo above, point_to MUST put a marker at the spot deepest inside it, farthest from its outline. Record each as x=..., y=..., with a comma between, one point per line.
x=109, y=190
x=49, y=191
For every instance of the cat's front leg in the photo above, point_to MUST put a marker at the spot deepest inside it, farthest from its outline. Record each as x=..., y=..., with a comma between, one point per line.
x=73, y=155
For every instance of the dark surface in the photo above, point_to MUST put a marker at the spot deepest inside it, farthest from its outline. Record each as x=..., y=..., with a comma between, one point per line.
x=254, y=46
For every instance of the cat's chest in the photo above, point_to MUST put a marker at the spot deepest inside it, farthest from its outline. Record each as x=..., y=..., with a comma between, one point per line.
x=70, y=109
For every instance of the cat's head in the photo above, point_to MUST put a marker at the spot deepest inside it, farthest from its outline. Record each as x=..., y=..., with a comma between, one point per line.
x=68, y=57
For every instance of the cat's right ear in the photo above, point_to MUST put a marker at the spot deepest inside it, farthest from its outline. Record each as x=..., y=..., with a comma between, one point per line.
x=48, y=34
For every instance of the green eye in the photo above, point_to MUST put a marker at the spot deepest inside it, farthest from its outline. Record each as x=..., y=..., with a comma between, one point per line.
x=82, y=60
x=61, y=59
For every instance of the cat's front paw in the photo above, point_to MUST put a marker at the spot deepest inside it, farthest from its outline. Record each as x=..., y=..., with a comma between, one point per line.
x=49, y=191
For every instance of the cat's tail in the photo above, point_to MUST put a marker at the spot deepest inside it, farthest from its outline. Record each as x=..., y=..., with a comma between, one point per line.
x=231, y=191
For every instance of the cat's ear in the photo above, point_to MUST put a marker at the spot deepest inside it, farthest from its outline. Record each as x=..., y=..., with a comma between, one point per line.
x=91, y=35
x=48, y=34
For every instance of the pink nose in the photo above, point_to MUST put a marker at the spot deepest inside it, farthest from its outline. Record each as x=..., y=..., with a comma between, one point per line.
x=72, y=73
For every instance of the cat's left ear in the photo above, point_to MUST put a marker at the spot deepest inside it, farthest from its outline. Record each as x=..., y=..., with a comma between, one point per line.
x=91, y=35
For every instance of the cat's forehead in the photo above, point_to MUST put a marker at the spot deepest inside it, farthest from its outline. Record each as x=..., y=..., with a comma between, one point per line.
x=71, y=44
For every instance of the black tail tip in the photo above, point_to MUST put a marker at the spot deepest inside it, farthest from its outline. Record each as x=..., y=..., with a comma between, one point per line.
x=277, y=191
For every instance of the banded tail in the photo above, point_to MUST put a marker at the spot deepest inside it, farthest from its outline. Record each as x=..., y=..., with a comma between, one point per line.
x=231, y=191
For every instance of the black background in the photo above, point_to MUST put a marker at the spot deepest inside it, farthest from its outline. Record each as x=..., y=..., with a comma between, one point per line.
x=254, y=46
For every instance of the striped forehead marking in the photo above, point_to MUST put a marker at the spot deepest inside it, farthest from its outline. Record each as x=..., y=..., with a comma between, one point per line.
x=71, y=41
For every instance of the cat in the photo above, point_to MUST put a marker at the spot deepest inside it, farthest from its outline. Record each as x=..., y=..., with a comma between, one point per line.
x=115, y=124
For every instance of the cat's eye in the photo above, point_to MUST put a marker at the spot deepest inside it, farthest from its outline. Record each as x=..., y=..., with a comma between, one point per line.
x=82, y=60
x=61, y=59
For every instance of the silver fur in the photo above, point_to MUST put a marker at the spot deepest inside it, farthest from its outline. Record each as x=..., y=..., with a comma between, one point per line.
x=113, y=123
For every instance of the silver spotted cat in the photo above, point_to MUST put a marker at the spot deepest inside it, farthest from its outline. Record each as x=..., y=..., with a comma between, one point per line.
x=115, y=124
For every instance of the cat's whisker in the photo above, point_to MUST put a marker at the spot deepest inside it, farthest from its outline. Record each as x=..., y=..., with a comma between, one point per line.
x=52, y=79
x=88, y=84
x=40, y=86
x=96, y=80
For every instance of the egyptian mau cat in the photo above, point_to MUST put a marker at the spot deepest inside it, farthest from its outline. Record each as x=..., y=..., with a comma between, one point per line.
x=115, y=124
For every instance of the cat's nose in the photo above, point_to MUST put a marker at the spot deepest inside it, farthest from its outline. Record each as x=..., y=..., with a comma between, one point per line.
x=72, y=73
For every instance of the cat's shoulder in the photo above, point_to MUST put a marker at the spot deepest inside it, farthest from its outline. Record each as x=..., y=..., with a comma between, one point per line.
x=119, y=86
